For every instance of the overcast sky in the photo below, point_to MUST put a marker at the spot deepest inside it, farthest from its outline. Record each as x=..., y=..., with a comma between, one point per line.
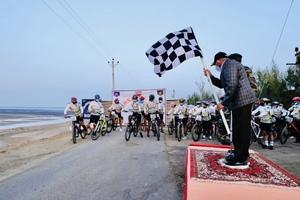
x=46, y=56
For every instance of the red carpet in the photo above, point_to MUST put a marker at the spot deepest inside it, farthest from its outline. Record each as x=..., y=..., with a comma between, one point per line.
x=263, y=176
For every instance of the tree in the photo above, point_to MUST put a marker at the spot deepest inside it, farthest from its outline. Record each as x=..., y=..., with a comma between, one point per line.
x=272, y=85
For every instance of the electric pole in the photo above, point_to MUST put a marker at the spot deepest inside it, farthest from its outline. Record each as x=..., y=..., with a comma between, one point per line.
x=113, y=64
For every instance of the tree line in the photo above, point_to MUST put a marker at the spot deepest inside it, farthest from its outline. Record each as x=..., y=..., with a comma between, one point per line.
x=272, y=83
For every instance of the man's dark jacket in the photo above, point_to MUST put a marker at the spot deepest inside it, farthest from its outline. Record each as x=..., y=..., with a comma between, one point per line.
x=235, y=82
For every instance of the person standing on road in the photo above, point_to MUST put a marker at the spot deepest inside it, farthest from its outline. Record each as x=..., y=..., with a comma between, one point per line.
x=265, y=114
x=239, y=98
x=161, y=106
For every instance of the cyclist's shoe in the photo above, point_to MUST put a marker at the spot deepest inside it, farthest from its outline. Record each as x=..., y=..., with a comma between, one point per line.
x=210, y=138
x=141, y=134
x=264, y=146
x=184, y=137
x=203, y=137
x=271, y=147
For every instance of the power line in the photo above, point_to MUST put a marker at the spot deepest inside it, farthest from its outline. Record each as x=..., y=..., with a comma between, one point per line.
x=73, y=30
x=285, y=21
x=67, y=6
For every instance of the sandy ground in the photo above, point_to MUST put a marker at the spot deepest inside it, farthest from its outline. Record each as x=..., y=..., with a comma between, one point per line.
x=23, y=148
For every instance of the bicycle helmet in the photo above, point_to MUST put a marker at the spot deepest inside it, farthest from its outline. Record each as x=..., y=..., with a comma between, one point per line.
x=116, y=101
x=198, y=103
x=97, y=96
x=134, y=97
x=142, y=98
x=73, y=99
x=181, y=100
x=276, y=103
x=297, y=99
x=160, y=99
x=151, y=97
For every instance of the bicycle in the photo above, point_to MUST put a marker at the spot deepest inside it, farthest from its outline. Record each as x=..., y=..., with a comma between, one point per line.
x=132, y=127
x=103, y=126
x=255, y=133
x=197, y=129
x=171, y=126
x=77, y=129
x=154, y=124
x=289, y=130
x=179, y=127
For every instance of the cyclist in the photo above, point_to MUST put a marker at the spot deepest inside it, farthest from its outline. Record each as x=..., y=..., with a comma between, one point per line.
x=117, y=108
x=171, y=113
x=278, y=112
x=96, y=109
x=265, y=113
x=206, y=120
x=181, y=109
x=295, y=113
x=150, y=107
x=76, y=109
x=136, y=112
x=161, y=113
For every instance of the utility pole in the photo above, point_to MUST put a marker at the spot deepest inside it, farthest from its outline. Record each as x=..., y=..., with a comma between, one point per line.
x=113, y=64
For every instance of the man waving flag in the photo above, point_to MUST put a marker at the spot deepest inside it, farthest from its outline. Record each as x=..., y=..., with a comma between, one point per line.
x=173, y=49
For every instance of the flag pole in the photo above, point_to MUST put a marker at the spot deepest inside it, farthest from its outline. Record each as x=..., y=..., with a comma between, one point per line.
x=218, y=101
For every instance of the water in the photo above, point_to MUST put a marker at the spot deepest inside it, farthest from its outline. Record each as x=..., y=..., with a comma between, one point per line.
x=25, y=117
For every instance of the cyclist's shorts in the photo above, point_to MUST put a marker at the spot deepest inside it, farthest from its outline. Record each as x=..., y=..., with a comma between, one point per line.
x=266, y=127
x=94, y=119
x=119, y=115
x=79, y=119
x=206, y=124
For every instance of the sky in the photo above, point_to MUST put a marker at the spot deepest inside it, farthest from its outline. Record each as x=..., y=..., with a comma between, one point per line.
x=46, y=56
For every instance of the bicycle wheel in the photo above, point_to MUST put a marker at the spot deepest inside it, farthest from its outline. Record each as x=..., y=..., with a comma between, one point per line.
x=157, y=132
x=135, y=130
x=95, y=133
x=82, y=134
x=170, y=129
x=128, y=132
x=109, y=126
x=285, y=134
x=179, y=133
x=102, y=127
x=74, y=133
x=196, y=133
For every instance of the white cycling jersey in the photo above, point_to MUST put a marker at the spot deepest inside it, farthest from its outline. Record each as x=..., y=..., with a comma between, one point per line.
x=74, y=108
x=265, y=113
x=96, y=108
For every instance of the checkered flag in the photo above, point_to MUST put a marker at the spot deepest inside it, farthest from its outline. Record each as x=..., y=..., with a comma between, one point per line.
x=173, y=49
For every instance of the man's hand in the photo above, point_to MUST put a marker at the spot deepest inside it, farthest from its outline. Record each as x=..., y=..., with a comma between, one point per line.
x=207, y=72
x=220, y=106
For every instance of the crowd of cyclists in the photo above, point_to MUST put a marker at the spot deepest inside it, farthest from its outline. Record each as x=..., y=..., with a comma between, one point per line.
x=201, y=118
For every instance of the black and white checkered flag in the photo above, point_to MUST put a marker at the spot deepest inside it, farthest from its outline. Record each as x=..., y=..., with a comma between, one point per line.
x=173, y=49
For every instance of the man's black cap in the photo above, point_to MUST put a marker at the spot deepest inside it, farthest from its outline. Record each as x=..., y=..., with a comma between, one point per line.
x=218, y=56
x=236, y=57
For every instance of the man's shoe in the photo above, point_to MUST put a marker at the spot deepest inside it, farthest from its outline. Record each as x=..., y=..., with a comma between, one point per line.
x=264, y=146
x=244, y=163
x=141, y=134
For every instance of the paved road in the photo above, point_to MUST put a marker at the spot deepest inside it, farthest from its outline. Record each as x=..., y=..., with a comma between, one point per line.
x=108, y=168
